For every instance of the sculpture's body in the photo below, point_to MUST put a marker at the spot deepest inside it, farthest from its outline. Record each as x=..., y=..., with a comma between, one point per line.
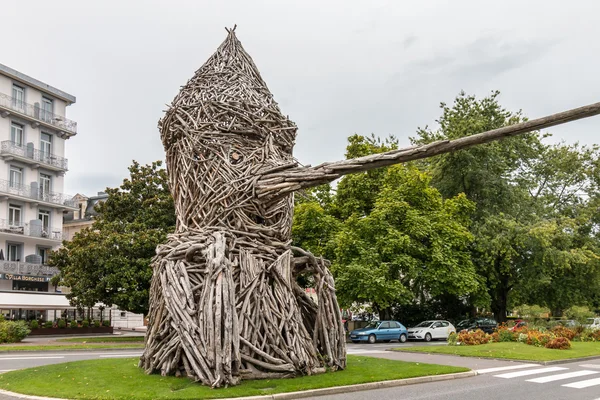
x=224, y=304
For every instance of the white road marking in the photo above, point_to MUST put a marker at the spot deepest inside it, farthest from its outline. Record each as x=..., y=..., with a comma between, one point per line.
x=530, y=372
x=568, y=375
x=28, y=358
x=583, y=384
x=593, y=366
x=118, y=355
x=498, y=369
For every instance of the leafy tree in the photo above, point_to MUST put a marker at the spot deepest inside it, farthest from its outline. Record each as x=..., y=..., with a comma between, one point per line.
x=412, y=244
x=110, y=262
x=531, y=243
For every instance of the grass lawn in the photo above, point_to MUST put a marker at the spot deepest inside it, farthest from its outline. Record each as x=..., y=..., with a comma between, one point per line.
x=4, y=348
x=107, y=339
x=122, y=379
x=513, y=351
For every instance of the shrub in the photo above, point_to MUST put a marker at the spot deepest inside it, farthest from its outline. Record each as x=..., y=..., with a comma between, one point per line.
x=559, y=343
x=589, y=335
x=96, y=324
x=48, y=324
x=73, y=324
x=61, y=323
x=85, y=323
x=473, y=338
x=105, y=323
x=537, y=338
x=562, y=331
x=13, y=331
x=504, y=335
x=34, y=324
x=2, y=319
x=453, y=339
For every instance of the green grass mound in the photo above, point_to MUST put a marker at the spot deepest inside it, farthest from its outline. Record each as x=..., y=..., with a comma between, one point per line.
x=513, y=351
x=54, y=347
x=122, y=379
x=105, y=339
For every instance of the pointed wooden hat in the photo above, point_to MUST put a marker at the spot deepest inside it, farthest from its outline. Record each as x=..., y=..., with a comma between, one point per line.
x=227, y=95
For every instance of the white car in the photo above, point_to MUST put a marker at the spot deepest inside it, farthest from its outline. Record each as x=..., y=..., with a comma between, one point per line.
x=593, y=323
x=428, y=330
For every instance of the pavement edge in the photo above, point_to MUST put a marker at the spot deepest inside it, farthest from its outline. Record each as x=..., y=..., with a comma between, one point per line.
x=314, y=392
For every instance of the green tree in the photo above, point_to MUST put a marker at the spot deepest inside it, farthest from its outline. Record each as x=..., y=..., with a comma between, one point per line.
x=412, y=244
x=528, y=197
x=110, y=262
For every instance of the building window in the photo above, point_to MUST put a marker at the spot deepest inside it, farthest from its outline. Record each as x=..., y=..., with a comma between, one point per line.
x=45, y=181
x=16, y=177
x=13, y=251
x=43, y=252
x=47, y=110
x=14, y=215
x=123, y=314
x=46, y=145
x=18, y=95
x=44, y=216
x=16, y=134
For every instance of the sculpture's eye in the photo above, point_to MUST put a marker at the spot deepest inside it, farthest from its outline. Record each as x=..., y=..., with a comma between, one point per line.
x=235, y=157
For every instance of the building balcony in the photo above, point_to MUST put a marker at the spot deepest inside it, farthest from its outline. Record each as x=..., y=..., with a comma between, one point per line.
x=34, y=113
x=33, y=229
x=33, y=194
x=27, y=154
x=27, y=268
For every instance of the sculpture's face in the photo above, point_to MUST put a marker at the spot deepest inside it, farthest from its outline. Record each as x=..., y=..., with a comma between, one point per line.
x=212, y=181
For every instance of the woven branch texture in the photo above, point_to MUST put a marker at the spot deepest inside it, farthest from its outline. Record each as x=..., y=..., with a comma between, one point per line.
x=224, y=302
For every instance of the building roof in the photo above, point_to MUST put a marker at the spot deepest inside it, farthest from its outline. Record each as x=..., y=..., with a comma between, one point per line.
x=44, y=87
x=90, y=211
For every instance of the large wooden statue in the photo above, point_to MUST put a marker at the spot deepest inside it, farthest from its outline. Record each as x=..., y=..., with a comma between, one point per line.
x=224, y=302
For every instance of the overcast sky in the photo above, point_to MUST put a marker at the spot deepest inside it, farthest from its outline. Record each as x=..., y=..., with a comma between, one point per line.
x=335, y=67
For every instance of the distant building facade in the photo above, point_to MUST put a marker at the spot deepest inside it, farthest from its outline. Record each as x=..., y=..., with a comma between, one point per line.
x=33, y=134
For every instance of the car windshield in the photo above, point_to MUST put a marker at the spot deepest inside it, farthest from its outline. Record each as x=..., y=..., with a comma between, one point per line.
x=424, y=324
x=465, y=322
x=372, y=325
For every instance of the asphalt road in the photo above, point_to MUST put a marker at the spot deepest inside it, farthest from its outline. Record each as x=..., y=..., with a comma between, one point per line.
x=496, y=380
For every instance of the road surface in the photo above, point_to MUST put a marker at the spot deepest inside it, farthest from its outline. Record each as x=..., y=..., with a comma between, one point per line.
x=497, y=380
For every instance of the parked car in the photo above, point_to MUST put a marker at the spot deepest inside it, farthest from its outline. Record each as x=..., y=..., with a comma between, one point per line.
x=380, y=331
x=428, y=330
x=518, y=324
x=593, y=323
x=488, y=325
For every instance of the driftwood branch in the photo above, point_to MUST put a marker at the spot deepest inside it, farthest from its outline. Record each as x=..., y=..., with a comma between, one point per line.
x=274, y=184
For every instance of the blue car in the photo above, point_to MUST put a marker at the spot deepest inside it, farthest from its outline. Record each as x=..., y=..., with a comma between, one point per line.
x=380, y=330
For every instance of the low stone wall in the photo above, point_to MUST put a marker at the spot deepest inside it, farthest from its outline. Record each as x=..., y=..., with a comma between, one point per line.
x=70, y=331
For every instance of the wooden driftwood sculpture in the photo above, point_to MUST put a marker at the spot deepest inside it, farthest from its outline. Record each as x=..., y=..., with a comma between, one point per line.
x=224, y=302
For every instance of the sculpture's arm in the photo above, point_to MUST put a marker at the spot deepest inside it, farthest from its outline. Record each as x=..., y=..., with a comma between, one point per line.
x=284, y=180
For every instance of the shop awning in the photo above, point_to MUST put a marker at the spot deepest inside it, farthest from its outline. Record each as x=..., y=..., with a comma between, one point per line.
x=34, y=301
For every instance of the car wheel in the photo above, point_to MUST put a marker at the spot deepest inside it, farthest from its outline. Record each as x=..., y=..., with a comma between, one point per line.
x=372, y=339
x=402, y=338
x=428, y=337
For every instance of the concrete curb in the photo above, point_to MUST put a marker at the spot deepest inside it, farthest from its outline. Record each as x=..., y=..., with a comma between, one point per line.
x=551, y=362
x=316, y=392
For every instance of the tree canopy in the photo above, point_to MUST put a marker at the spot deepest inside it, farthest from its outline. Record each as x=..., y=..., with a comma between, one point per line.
x=110, y=262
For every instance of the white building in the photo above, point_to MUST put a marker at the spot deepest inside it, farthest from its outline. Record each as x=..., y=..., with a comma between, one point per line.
x=33, y=134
